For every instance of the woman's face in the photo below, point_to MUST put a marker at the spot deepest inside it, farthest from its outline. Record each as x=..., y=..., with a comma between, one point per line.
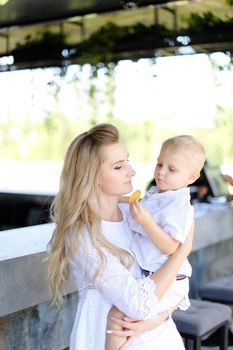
x=116, y=173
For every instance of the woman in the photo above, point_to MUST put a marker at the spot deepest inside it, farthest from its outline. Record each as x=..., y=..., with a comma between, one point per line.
x=92, y=240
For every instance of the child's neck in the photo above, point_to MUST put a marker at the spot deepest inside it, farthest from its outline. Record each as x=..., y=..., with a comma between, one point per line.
x=171, y=189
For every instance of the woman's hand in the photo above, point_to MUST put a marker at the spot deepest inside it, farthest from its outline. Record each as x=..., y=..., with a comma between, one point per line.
x=133, y=328
x=228, y=179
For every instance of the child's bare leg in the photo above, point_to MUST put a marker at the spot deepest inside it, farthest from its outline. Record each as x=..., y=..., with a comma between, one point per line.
x=113, y=342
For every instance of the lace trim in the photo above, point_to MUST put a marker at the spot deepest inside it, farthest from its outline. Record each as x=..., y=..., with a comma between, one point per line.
x=147, y=297
x=137, y=296
x=146, y=300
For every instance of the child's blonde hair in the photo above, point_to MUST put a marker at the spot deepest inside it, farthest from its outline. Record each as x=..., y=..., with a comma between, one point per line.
x=190, y=147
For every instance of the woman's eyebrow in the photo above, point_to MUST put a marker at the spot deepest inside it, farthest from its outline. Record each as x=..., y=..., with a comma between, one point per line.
x=119, y=161
x=122, y=160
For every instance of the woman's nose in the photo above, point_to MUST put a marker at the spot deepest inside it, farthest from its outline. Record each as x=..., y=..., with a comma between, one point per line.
x=131, y=171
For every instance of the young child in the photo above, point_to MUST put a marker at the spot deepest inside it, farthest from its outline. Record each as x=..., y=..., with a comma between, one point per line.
x=163, y=217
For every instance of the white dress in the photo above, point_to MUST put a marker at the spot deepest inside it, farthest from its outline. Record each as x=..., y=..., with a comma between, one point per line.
x=129, y=291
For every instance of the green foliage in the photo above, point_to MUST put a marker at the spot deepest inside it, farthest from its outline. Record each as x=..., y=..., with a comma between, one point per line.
x=218, y=140
x=207, y=23
x=39, y=140
x=142, y=139
x=229, y=2
x=137, y=138
x=102, y=46
x=49, y=137
x=111, y=42
x=42, y=39
x=223, y=133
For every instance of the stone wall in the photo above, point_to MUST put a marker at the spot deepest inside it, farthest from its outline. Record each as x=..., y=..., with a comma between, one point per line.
x=39, y=327
x=27, y=322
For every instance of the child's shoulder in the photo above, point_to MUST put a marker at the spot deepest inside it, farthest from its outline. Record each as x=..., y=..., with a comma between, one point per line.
x=173, y=196
x=178, y=197
x=180, y=192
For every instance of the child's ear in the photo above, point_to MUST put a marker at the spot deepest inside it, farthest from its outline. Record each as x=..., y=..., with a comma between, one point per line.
x=193, y=177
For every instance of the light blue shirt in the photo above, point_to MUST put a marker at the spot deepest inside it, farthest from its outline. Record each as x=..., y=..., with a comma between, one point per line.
x=173, y=212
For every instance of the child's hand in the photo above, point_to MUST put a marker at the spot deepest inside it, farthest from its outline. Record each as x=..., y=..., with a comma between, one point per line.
x=139, y=214
x=135, y=196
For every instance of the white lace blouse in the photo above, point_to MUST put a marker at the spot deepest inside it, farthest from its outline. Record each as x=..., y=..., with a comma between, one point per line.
x=127, y=290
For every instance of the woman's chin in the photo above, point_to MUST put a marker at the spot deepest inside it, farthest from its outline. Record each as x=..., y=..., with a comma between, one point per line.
x=130, y=189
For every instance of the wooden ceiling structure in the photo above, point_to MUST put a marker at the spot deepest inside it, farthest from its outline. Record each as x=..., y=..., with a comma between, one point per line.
x=78, y=19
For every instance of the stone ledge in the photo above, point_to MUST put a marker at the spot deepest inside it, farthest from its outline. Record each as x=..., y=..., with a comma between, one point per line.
x=23, y=269
x=212, y=228
x=24, y=241
x=23, y=283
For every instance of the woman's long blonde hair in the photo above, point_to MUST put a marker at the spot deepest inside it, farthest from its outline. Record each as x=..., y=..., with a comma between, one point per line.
x=76, y=205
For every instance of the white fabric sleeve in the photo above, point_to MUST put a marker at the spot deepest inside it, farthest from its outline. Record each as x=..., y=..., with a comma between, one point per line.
x=134, y=297
x=177, y=218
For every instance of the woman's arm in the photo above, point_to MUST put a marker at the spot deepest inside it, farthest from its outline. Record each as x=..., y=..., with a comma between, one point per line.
x=129, y=329
x=136, y=298
x=228, y=179
x=124, y=331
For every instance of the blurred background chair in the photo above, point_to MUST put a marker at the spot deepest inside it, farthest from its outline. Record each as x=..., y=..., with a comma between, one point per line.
x=219, y=290
x=201, y=320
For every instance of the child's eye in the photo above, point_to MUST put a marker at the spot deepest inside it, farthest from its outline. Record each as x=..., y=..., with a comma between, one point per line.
x=159, y=165
x=172, y=170
x=118, y=167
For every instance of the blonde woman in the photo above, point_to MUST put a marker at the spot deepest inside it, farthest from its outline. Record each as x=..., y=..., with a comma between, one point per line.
x=92, y=239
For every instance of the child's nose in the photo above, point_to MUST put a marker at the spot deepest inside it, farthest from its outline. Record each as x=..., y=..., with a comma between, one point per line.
x=162, y=171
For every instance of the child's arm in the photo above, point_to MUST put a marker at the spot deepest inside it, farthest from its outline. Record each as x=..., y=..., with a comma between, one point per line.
x=159, y=237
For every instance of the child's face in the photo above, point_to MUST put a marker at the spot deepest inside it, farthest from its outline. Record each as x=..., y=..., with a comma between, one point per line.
x=173, y=170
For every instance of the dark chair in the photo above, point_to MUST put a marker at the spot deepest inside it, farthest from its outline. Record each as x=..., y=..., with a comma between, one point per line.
x=202, y=319
x=219, y=290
